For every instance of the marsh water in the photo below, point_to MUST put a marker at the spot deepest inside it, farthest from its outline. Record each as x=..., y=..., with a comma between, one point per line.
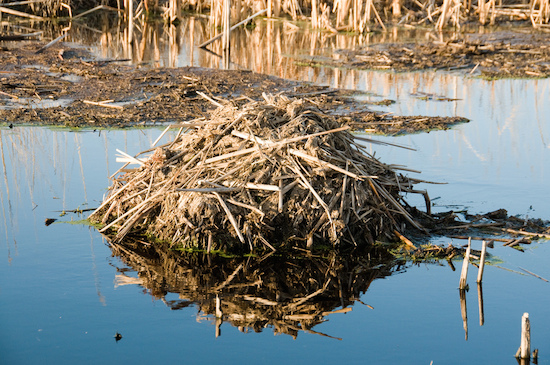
x=64, y=294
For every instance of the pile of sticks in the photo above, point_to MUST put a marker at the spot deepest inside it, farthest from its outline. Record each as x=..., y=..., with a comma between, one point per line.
x=259, y=176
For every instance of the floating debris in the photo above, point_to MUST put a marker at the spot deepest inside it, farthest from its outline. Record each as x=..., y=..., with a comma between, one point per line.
x=49, y=221
x=118, y=337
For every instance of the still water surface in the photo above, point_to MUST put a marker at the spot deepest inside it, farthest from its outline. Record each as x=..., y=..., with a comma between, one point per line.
x=61, y=299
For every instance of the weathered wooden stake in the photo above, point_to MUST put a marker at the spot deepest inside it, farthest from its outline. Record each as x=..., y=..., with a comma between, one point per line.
x=464, y=273
x=482, y=262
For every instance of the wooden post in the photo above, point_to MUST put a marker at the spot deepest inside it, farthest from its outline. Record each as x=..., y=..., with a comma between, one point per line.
x=482, y=262
x=525, y=348
x=465, y=263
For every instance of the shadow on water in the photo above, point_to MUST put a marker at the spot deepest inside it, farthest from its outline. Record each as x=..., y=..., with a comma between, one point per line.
x=290, y=294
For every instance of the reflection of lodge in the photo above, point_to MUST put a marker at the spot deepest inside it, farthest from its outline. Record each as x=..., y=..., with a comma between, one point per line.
x=290, y=294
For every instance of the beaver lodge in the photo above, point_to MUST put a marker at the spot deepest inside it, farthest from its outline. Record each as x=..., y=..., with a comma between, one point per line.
x=257, y=176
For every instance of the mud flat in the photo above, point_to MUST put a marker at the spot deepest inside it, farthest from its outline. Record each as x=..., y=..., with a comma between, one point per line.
x=66, y=86
x=502, y=54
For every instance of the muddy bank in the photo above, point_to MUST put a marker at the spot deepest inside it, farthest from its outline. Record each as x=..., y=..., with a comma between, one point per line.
x=502, y=54
x=66, y=86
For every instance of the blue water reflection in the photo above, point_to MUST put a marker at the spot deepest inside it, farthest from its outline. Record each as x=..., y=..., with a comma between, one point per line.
x=60, y=301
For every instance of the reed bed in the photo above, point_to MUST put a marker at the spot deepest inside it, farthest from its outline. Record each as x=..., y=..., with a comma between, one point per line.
x=257, y=177
x=331, y=15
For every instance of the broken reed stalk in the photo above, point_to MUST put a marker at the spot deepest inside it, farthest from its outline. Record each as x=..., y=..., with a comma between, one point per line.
x=215, y=38
x=465, y=263
x=255, y=176
x=482, y=262
x=464, y=312
x=226, y=23
x=480, y=303
x=58, y=39
x=525, y=347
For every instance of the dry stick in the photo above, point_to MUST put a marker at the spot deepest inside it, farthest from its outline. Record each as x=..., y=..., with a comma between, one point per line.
x=525, y=233
x=465, y=262
x=306, y=298
x=396, y=204
x=99, y=7
x=230, y=216
x=289, y=140
x=20, y=13
x=315, y=194
x=322, y=220
x=377, y=16
x=262, y=187
x=232, y=28
x=407, y=241
x=482, y=262
x=114, y=195
x=209, y=247
x=532, y=273
x=344, y=187
x=162, y=190
x=281, y=196
x=373, y=141
x=247, y=206
x=149, y=188
x=131, y=158
x=51, y=43
x=230, y=155
x=127, y=226
x=208, y=190
x=161, y=135
x=11, y=96
x=204, y=96
x=264, y=241
x=229, y=278
x=103, y=104
x=307, y=157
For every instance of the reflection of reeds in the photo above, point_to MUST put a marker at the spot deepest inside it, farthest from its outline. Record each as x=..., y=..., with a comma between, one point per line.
x=290, y=294
x=333, y=15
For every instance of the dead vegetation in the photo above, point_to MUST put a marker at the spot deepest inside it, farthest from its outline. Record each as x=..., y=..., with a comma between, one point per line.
x=260, y=176
x=498, y=55
x=331, y=15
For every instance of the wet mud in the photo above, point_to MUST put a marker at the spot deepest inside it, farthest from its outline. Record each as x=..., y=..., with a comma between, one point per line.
x=502, y=54
x=66, y=86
